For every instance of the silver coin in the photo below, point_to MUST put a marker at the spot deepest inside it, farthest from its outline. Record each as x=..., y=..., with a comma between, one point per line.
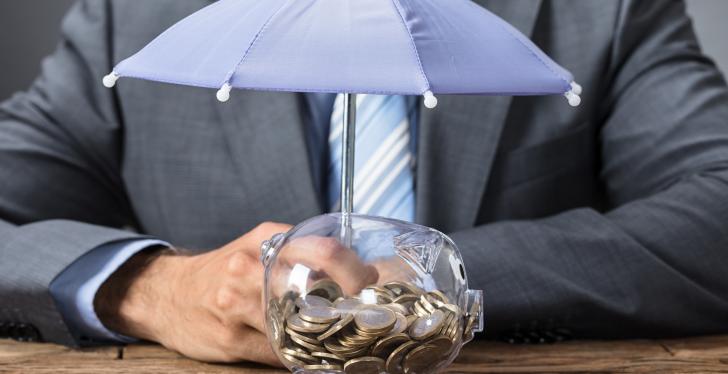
x=297, y=324
x=425, y=327
x=374, y=319
x=312, y=300
x=319, y=314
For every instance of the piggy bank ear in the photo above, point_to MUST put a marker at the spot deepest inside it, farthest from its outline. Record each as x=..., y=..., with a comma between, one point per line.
x=420, y=248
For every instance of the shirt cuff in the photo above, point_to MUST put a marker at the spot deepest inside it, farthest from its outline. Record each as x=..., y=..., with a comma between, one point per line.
x=74, y=290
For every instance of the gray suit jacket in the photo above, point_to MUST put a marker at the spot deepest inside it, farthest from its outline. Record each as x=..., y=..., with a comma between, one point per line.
x=610, y=220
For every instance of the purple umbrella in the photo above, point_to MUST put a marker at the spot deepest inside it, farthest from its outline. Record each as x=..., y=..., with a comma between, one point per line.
x=405, y=47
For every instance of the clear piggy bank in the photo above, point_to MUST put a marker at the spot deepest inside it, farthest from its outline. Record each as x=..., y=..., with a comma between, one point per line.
x=361, y=294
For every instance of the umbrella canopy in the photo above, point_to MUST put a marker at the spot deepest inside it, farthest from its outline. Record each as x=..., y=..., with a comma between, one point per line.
x=405, y=47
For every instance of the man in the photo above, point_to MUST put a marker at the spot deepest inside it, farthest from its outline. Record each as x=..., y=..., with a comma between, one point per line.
x=607, y=221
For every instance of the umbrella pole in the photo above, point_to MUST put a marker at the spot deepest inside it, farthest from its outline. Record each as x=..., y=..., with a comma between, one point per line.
x=347, y=166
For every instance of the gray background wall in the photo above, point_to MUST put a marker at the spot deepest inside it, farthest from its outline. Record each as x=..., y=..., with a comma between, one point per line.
x=29, y=31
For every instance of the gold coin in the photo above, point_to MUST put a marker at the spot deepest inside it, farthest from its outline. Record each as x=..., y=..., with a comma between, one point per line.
x=400, y=326
x=420, y=359
x=385, y=346
x=322, y=367
x=401, y=288
x=355, y=353
x=364, y=365
x=299, y=354
x=366, y=334
x=326, y=288
x=374, y=319
x=294, y=361
x=310, y=347
x=440, y=296
x=336, y=348
x=394, y=361
x=319, y=314
x=419, y=309
x=442, y=345
x=328, y=356
x=449, y=317
x=312, y=300
x=426, y=304
x=297, y=324
x=336, y=327
x=397, y=308
x=303, y=337
x=425, y=327
x=472, y=314
x=411, y=319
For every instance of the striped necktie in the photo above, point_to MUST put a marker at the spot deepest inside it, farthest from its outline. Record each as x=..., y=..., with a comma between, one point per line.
x=383, y=178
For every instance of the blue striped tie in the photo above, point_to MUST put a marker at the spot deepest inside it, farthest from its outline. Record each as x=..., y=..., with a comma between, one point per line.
x=383, y=179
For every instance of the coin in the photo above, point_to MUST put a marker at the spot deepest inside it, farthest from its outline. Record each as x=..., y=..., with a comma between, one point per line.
x=297, y=324
x=397, y=308
x=326, y=356
x=310, y=347
x=472, y=315
x=364, y=365
x=322, y=367
x=440, y=296
x=319, y=314
x=420, y=359
x=336, y=327
x=374, y=319
x=294, y=361
x=299, y=354
x=394, y=361
x=384, y=347
x=396, y=326
x=442, y=345
x=326, y=288
x=303, y=337
x=425, y=327
x=312, y=300
x=426, y=304
x=347, y=305
x=401, y=287
x=400, y=326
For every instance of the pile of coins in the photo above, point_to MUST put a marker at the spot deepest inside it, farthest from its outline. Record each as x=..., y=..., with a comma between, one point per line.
x=396, y=328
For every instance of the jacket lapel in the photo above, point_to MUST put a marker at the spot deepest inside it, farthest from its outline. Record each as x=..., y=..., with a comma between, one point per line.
x=458, y=140
x=265, y=137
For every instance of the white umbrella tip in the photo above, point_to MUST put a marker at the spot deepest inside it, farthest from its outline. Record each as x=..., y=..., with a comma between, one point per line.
x=110, y=80
x=430, y=100
x=223, y=94
x=576, y=88
x=573, y=95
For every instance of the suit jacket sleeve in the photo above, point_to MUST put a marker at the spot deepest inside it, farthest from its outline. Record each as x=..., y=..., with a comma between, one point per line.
x=61, y=193
x=656, y=262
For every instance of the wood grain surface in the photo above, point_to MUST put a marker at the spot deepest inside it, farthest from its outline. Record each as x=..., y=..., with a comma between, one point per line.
x=693, y=355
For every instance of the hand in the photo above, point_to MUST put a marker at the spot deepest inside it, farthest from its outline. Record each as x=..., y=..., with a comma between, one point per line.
x=207, y=307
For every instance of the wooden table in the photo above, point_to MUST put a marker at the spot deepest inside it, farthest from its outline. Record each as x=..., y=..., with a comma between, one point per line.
x=694, y=355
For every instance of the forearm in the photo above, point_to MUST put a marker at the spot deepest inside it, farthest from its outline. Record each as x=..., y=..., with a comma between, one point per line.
x=652, y=267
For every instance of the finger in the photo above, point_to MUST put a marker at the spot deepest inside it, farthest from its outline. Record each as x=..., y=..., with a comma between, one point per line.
x=327, y=255
x=251, y=241
x=239, y=298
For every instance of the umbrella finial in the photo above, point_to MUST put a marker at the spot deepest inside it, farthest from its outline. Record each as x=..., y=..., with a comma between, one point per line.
x=223, y=95
x=110, y=80
x=573, y=94
x=430, y=100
